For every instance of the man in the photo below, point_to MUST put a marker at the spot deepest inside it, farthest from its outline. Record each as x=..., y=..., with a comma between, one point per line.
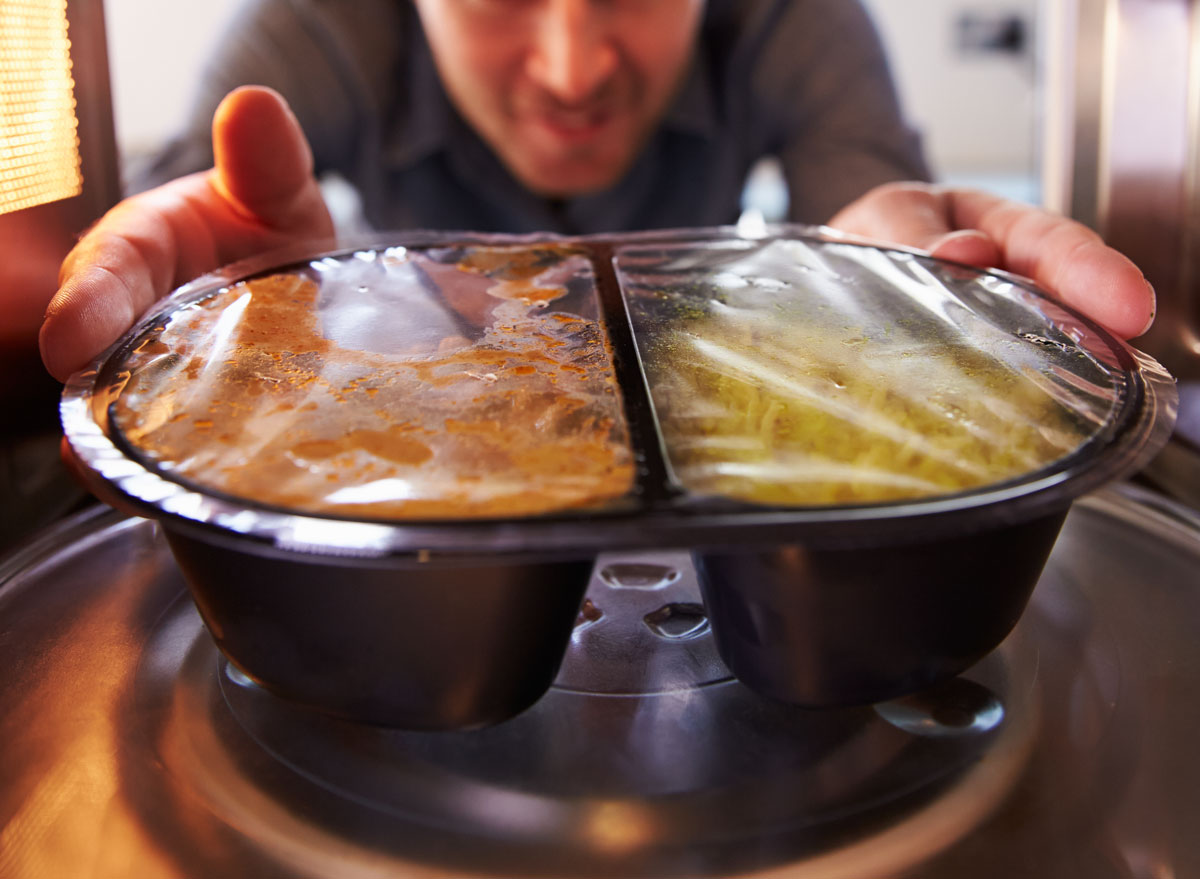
x=564, y=115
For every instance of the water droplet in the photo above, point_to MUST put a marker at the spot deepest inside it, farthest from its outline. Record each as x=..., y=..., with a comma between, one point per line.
x=634, y=575
x=678, y=621
x=768, y=283
x=1043, y=341
x=729, y=281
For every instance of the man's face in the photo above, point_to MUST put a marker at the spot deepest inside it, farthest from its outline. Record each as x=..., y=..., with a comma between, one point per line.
x=565, y=92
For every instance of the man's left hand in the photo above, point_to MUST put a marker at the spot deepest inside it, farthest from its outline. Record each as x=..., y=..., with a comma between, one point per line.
x=1061, y=255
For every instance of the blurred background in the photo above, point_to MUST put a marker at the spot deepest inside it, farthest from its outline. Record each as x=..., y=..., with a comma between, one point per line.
x=156, y=56
x=970, y=78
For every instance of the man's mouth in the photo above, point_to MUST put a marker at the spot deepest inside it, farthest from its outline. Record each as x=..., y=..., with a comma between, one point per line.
x=573, y=123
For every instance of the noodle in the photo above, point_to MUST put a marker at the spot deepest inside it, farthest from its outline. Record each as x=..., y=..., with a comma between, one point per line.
x=832, y=419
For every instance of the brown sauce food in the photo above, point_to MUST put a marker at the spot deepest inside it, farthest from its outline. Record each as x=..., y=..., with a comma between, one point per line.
x=243, y=394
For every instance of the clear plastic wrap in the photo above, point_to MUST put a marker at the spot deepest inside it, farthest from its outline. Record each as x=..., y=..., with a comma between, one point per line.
x=395, y=383
x=799, y=373
x=479, y=393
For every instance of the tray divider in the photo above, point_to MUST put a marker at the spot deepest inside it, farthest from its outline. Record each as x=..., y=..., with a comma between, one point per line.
x=655, y=486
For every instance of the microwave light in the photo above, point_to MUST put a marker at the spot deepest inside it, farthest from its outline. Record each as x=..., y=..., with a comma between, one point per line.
x=39, y=130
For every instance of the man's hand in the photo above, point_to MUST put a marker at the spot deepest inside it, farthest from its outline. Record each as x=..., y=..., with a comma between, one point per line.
x=261, y=195
x=1060, y=255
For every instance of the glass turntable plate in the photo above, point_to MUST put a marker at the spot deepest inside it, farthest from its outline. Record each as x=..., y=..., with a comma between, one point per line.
x=128, y=747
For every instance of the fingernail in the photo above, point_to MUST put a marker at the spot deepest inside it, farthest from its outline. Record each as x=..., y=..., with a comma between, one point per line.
x=958, y=235
x=1153, y=308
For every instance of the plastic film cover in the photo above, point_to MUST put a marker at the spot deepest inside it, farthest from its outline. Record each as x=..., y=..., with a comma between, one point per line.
x=459, y=382
x=468, y=393
x=803, y=373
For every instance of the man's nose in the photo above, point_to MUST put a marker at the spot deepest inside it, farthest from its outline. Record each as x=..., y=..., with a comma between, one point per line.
x=573, y=52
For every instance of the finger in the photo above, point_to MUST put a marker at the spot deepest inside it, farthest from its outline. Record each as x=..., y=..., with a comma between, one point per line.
x=1065, y=257
x=916, y=215
x=1062, y=256
x=264, y=166
x=970, y=246
x=129, y=259
x=260, y=196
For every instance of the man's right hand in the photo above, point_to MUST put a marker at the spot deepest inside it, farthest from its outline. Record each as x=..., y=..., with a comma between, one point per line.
x=261, y=195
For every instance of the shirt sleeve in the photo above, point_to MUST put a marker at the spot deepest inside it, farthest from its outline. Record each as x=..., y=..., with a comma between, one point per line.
x=823, y=79
x=330, y=60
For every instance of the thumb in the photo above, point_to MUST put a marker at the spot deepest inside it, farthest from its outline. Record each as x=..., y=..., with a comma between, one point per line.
x=264, y=166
